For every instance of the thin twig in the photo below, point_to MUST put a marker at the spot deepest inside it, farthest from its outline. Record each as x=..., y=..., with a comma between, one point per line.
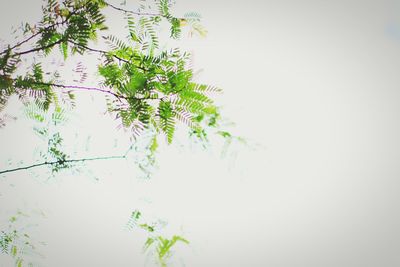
x=60, y=162
x=39, y=48
x=20, y=43
x=77, y=87
x=132, y=12
x=38, y=32
x=97, y=51
x=103, y=52
x=85, y=88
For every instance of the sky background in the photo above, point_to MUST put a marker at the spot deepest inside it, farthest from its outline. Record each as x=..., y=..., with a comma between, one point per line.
x=313, y=86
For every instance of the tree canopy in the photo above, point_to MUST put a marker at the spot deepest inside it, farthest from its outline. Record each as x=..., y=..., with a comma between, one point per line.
x=148, y=85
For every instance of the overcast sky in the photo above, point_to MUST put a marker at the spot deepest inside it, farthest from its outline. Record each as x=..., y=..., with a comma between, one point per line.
x=314, y=83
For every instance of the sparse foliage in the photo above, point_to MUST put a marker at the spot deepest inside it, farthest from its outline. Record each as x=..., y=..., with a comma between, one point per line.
x=18, y=244
x=156, y=244
x=148, y=86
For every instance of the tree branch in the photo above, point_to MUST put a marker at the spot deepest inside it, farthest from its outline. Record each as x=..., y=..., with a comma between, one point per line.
x=62, y=162
x=85, y=88
x=39, y=32
x=39, y=48
x=97, y=51
x=76, y=87
x=105, y=53
x=132, y=12
x=20, y=43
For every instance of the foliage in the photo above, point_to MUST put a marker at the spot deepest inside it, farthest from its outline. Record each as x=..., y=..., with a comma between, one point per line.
x=163, y=247
x=49, y=120
x=156, y=244
x=147, y=87
x=16, y=242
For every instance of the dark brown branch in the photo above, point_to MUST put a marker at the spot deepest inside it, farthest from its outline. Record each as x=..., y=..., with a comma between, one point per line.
x=99, y=90
x=39, y=48
x=106, y=53
x=62, y=162
x=76, y=87
x=85, y=88
x=76, y=44
x=20, y=43
x=33, y=36
x=97, y=51
x=132, y=12
x=39, y=32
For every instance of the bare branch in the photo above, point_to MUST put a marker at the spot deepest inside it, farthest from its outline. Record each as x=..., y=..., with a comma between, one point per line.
x=132, y=12
x=62, y=162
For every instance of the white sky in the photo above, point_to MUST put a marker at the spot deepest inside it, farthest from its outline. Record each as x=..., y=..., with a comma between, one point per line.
x=316, y=83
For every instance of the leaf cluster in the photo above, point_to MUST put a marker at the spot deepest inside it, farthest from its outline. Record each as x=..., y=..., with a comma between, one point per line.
x=146, y=87
x=154, y=90
x=16, y=243
x=156, y=243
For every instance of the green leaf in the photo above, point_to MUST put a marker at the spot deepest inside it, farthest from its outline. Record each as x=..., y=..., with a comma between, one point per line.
x=137, y=82
x=147, y=227
x=167, y=121
x=64, y=49
x=148, y=243
x=14, y=251
x=224, y=134
x=154, y=145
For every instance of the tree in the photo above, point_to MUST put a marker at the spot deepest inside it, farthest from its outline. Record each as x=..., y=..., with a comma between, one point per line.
x=149, y=87
x=146, y=87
